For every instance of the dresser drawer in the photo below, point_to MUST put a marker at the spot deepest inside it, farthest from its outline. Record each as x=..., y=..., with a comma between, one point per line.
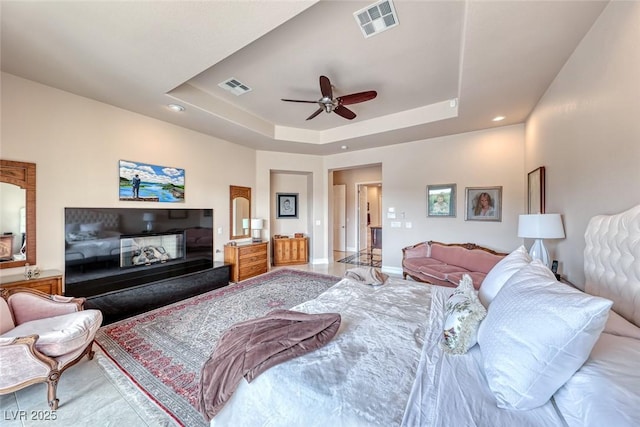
x=247, y=260
x=251, y=250
x=49, y=282
x=252, y=270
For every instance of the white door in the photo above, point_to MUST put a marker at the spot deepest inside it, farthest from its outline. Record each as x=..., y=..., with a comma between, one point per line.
x=363, y=229
x=340, y=217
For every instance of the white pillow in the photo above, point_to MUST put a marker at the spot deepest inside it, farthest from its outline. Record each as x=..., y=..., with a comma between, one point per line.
x=94, y=226
x=464, y=313
x=537, y=333
x=500, y=273
x=606, y=389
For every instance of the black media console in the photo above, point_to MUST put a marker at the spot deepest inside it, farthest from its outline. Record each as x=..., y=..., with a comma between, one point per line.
x=130, y=301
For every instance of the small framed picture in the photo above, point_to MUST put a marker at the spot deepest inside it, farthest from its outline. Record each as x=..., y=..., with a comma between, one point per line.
x=535, y=191
x=178, y=213
x=483, y=204
x=441, y=200
x=287, y=205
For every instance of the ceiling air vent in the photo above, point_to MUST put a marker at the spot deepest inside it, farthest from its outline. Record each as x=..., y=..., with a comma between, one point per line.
x=234, y=86
x=376, y=18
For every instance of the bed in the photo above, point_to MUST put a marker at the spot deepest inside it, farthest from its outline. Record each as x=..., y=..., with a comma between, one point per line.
x=547, y=354
x=91, y=236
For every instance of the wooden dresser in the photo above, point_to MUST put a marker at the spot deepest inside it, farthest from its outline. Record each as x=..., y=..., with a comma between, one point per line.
x=289, y=251
x=49, y=281
x=247, y=260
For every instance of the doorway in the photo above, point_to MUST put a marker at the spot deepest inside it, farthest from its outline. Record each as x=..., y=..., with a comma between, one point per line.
x=369, y=214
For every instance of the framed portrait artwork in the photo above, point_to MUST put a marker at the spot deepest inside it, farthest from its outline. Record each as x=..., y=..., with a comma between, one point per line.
x=483, y=204
x=535, y=191
x=287, y=205
x=441, y=200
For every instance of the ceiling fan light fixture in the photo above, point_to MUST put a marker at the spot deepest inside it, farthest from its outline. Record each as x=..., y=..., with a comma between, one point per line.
x=376, y=18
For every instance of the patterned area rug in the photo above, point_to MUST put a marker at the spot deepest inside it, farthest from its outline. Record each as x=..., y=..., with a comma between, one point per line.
x=364, y=258
x=162, y=351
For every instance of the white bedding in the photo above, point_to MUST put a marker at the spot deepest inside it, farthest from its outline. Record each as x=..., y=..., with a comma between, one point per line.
x=606, y=390
x=102, y=247
x=361, y=378
x=365, y=375
x=451, y=390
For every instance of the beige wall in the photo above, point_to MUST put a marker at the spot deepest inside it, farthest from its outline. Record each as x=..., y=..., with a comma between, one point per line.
x=76, y=144
x=586, y=132
x=489, y=158
x=291, y=183
x=280, y=172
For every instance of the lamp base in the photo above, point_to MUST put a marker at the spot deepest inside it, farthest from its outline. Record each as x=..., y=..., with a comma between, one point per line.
x=257, y=236
x=538, y=251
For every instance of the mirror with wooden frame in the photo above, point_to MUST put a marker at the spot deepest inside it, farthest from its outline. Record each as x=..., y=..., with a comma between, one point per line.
x=18, y=214
x=240, y=212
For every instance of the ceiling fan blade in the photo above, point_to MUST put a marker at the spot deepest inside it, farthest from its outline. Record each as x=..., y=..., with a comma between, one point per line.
x=325, y=87
x=297, y=100
x=355, y=98
x=344, y=112
x=318, y=111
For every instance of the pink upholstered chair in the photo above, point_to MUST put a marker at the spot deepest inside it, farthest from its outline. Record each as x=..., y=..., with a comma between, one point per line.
x=41, y=335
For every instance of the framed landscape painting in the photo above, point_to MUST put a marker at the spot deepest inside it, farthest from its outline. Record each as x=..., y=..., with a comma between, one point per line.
x=143, y=182
x=441, y=200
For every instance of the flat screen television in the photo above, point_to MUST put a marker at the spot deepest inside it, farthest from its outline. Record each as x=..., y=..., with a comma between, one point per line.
x=108, y=249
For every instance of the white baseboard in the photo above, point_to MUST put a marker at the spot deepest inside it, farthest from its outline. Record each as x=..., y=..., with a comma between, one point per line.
x=392, y=270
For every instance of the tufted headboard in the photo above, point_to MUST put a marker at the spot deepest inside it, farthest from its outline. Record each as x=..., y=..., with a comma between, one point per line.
x=612, y=261
x=110, y=220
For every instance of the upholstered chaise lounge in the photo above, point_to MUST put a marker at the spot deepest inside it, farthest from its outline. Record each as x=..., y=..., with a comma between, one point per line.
x=444, y=264
x=41, y=335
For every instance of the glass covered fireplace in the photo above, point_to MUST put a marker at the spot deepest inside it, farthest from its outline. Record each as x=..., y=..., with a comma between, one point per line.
x=108, y=249
x=144, y=249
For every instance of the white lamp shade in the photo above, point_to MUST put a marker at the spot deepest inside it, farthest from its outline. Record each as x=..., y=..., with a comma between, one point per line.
x=148, y=216
x=540, y=226
x=256, y=223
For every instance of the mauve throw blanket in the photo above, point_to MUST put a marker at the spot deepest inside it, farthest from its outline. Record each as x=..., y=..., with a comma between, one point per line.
x=249, y=348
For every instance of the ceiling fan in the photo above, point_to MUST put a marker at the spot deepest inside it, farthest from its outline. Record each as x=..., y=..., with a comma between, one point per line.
x=328, y=104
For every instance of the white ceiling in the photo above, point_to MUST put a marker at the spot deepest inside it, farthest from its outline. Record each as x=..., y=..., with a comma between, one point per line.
x=448, y=67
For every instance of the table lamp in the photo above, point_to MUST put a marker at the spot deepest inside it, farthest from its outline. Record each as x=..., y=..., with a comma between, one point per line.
x=149, y=217
x=256, y=227
x=539, y=227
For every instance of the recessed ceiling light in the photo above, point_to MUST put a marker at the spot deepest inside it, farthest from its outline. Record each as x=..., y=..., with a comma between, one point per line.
x=344, y=147
x=498, y=118
x=176, y=107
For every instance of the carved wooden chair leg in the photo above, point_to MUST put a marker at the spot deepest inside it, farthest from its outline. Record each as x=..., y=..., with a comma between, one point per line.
x=90, y=351
x=52, y=383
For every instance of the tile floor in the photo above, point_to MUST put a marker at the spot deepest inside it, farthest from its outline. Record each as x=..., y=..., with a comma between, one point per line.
x=95, y=393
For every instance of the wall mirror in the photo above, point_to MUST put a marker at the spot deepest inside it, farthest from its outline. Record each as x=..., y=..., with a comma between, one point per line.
x=18, y=214
x=240, y=215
